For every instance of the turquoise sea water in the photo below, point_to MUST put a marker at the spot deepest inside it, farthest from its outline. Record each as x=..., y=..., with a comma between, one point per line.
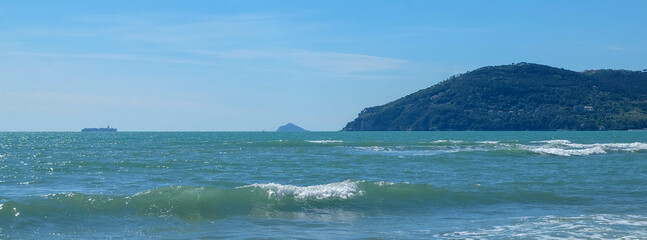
x=322, y=185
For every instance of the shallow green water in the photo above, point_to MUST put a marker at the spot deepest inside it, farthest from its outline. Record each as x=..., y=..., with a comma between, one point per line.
x=324, y=184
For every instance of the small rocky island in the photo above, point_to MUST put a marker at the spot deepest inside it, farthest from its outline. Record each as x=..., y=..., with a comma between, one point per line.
x=290, y=127
x=518, y=97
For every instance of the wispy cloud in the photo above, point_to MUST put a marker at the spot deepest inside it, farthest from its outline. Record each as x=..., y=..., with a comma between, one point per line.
x=112, y=56
x=615, y=48
x=323, y=61
x=47, y=101
x=448, y=30
x=166, y=38
x=455, y=29
x=155, y=33
x=344, y=62
x=168, y=29
x=332, y=62
x=241, y=54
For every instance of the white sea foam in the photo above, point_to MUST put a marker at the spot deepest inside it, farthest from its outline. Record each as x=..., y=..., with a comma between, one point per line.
x=372, y=148
x=325, y=141
x=341, y=190
x=567, y=148
x=488, y=142
x=554, y=142
x=383, y=183
x=559, y=147
x=402, y=151
x=566, y=152
x=630, y=147
x=427, y=152
x=600, y=226
x=448, y=141
x=619, y=146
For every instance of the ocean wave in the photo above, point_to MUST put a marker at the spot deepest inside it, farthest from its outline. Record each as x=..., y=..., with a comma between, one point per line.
x=567, y=148
x=263, y=199
x=406, y=150
x=629, y=147
x=554, y=147
x=566, y=152
x=559, y=147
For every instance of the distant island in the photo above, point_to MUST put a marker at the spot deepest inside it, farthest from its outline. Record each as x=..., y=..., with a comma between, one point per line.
x=106, y=129
x=290, y=127
x=517, y=97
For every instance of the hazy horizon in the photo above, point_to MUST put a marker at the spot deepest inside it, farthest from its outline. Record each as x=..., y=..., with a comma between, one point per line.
x=257, y=65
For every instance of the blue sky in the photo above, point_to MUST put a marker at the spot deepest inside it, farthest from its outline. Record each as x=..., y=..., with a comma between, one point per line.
x=255, y=65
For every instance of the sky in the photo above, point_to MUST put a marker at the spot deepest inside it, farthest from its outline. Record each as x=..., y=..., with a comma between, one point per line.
x=238, y=65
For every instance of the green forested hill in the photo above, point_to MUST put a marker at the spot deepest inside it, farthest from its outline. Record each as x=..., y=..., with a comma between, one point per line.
x=521, y=96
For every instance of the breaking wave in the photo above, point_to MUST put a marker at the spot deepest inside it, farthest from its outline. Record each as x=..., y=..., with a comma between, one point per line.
x=342, y=190
x=549, y=147
x=567, y=148
x=196, y=203
x=555, y=147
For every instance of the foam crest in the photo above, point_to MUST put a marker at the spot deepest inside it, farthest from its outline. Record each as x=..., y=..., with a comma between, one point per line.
x=488, y=142
x=567, y=152
x=567, y=148
x=372, y=148
x=554, y=142
x=403, y=151
x=559, y=147
x=325, y=141
x=343, y=190
x=630, y=147
x=447, y=142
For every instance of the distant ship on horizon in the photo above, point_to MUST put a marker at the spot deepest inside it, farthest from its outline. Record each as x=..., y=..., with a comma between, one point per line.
x=106, y=129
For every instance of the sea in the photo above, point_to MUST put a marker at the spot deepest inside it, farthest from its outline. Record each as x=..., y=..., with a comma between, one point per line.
x=323, y=185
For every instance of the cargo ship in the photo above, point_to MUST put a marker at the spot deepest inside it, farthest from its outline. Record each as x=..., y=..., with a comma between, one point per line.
x=107, y=129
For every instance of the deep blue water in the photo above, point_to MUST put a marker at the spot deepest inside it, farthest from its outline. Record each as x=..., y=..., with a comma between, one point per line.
x=322, y=185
